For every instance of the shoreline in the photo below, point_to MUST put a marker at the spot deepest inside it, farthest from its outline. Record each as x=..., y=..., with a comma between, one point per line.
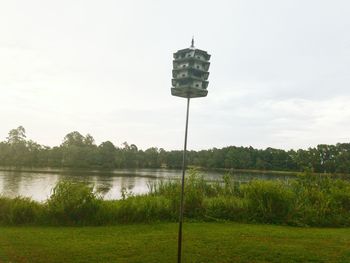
x=94, y=170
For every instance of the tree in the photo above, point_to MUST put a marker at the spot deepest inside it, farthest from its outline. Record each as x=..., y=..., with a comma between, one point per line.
x=17, y=150
x=89, y=140
x=17, y=135
x=152, y=158
x=78, y=151
x=107, y=151
x=73, y=139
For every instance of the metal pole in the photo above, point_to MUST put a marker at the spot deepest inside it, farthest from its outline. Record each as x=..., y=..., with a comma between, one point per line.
x=179, y=245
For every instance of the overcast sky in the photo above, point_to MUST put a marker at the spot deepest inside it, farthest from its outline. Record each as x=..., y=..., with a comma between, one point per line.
x=279, y=75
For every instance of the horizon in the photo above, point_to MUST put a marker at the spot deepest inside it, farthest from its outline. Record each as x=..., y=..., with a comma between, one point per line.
x=119, y=145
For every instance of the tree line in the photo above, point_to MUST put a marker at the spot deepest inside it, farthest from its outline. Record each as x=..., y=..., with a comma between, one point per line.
x=78, y=151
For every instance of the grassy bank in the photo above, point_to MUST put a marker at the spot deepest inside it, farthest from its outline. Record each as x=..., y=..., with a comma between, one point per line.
x=203, y=242
x=270, y=172
x=306, y=201
x=248, y=171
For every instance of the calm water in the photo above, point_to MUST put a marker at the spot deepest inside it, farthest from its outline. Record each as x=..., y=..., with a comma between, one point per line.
x=38, y=185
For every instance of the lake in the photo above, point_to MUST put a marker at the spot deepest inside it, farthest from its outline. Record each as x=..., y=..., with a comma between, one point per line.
x=38, y=184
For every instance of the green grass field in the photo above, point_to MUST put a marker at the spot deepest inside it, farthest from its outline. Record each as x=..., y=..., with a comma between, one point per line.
x=203, y=242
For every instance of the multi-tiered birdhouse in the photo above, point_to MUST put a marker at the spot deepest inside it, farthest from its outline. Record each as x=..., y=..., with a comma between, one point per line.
x=190, y=73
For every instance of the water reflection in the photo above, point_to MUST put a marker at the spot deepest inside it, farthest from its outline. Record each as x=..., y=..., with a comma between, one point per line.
x=39, y=185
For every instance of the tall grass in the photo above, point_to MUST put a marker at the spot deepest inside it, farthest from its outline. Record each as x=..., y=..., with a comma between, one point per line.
x=308, y=200
x=20, y=210
x=268, y=201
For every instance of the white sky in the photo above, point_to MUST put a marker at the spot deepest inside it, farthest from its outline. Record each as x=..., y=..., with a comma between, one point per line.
x=279, y=71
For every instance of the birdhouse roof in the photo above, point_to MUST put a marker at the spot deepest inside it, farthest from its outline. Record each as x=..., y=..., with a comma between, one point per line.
x=197, y=51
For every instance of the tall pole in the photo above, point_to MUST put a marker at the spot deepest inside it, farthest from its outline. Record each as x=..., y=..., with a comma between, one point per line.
x=179, y=245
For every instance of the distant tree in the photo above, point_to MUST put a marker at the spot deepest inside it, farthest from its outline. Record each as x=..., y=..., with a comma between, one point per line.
x=79, y=151
x=174, y=159
x=17, y=135
x=162, y=157
x=152, y=158
x=55, y=157
x=130, y=153
x=107, y=151
x=73, y=139
x=89, y=140
x=17, y=150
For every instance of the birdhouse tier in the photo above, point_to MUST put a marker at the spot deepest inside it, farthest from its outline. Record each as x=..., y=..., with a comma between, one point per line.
x=192, y=52
x=190, y=73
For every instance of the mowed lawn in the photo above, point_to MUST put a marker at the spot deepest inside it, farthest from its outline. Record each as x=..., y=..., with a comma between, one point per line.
x=203, y=242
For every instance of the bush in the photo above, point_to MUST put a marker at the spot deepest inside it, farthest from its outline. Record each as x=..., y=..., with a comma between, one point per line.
x=321, y=201
x=73, y=203
x=268, y=201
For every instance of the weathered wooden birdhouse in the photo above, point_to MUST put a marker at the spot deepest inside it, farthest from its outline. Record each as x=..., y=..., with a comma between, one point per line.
x=190, y=73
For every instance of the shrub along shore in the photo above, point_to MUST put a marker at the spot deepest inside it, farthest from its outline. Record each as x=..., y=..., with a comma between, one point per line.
x=308, y=200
